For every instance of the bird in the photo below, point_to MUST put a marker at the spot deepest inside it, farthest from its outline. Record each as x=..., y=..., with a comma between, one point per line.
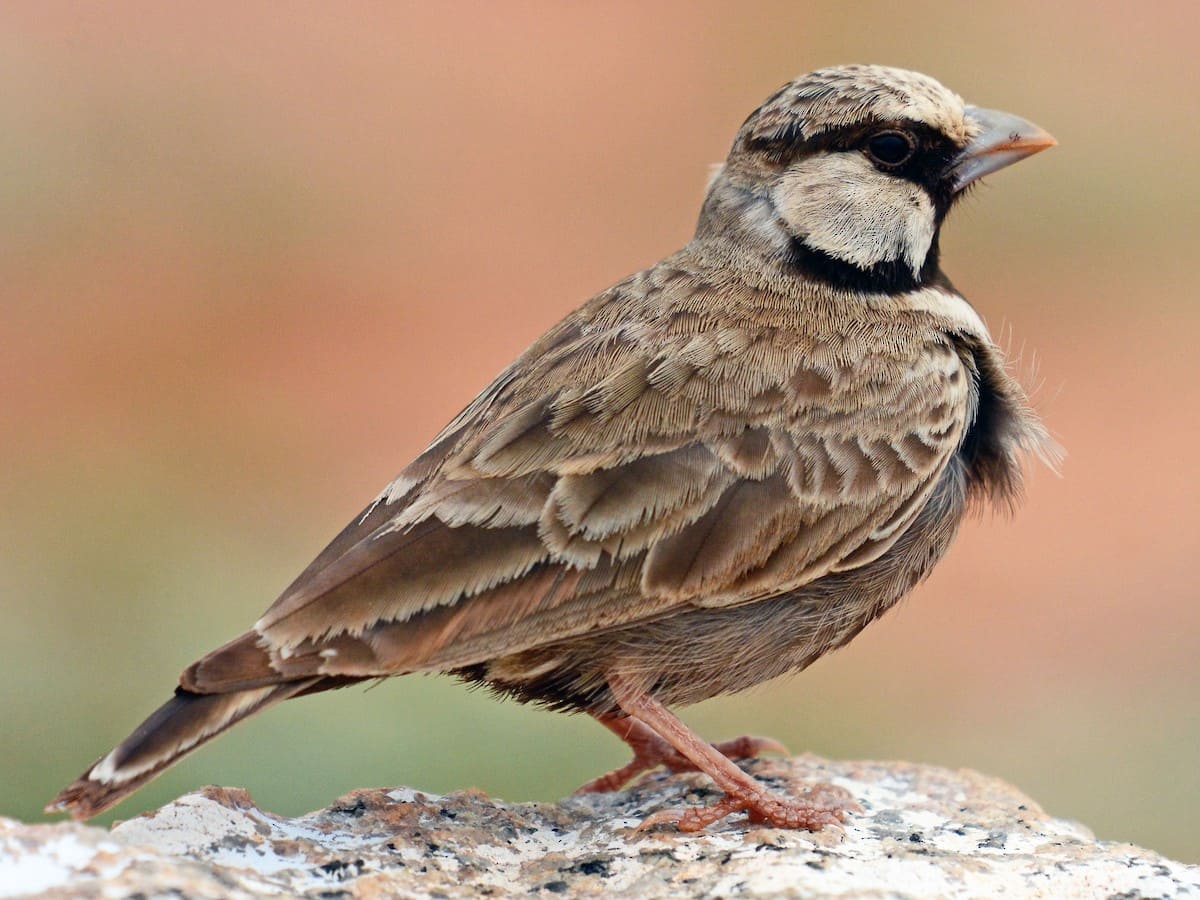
x=710, y=474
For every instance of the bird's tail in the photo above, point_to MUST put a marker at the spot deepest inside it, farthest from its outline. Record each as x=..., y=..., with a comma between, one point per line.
x=175, y=729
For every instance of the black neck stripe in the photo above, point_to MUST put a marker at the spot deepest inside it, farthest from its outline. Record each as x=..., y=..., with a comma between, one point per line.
x=890, y=277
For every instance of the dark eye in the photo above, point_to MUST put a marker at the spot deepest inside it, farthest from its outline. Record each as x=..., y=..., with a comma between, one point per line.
x=890, y=148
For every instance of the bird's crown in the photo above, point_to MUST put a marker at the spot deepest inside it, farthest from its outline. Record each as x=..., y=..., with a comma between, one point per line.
x=842, y=97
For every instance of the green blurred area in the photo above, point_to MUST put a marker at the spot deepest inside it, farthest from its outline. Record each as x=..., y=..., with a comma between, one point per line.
x=252, y=257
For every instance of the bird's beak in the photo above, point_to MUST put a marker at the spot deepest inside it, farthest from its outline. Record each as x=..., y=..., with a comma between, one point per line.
x=1003, y=139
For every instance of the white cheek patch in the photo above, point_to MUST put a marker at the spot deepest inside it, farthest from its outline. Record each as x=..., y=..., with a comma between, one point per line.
x=841, y=204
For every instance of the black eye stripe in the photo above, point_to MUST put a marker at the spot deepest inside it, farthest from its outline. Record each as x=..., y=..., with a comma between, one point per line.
x=928, y=166
x=787, y=144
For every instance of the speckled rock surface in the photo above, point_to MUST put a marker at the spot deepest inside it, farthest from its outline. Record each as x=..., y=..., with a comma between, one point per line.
x=922, y=832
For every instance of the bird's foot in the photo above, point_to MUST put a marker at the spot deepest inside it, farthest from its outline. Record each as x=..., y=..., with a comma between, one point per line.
x=650, y=751
x=820, y=805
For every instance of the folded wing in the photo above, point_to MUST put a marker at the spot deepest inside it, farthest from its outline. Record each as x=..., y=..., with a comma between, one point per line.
x=610, y=477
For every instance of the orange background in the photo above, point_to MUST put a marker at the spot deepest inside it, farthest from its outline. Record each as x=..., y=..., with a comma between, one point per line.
x=253, y=256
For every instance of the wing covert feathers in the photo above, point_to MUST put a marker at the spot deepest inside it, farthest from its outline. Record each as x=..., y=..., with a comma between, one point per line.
x=677, y=456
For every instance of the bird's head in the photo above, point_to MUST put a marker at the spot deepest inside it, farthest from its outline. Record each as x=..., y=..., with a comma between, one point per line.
x=848, y=172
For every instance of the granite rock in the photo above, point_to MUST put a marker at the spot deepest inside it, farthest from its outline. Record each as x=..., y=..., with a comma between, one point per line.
x=921, y=831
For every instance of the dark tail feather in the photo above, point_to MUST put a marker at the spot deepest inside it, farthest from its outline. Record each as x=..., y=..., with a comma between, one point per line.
x=178, y=727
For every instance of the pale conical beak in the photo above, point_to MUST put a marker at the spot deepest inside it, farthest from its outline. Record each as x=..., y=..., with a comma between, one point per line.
x=1003, y=139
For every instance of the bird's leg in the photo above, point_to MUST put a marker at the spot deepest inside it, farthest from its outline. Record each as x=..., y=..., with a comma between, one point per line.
x=822, y=805
x=650, y=751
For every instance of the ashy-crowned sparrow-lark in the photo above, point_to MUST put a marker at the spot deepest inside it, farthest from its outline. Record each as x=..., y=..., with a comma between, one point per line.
x=712, y=473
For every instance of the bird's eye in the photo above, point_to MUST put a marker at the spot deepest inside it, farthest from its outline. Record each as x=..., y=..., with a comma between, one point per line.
x=890, y=148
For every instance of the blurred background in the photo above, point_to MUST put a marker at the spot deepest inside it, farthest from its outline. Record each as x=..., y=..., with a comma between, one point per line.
x=254, y=255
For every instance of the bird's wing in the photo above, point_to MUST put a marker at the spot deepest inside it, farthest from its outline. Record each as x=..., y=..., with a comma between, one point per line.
x=629, y=463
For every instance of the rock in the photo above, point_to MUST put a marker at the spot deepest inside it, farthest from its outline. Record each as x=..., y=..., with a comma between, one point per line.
x=922, y=832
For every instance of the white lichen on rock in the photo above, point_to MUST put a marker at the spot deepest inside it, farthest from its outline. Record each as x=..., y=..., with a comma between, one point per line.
x=921, y=832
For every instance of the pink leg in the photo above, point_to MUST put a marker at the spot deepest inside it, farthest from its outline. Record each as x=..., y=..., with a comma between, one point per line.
x=651, y=751
x=822, y=805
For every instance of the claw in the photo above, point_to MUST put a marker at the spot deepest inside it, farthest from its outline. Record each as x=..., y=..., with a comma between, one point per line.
x=662, y=817
x=746, y=747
